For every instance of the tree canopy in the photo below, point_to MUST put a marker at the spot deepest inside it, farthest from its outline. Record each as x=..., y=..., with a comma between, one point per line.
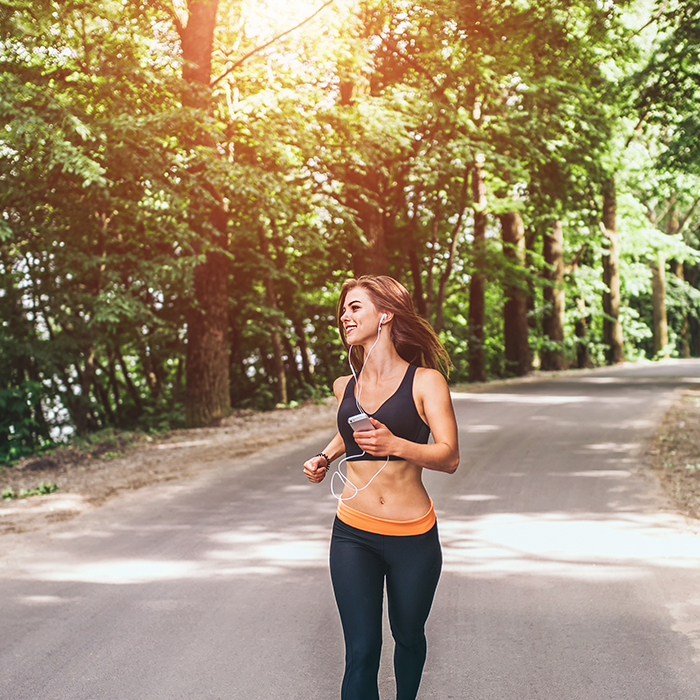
x=185, y=185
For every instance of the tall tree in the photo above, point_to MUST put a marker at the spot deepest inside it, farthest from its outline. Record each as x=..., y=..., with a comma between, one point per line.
x=515, y=324
x=553, y=320
x=477, y=364
x=207, y=368
x=612, y=328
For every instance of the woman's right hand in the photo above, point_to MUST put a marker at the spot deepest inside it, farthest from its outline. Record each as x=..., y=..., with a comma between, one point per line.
x=315, y=469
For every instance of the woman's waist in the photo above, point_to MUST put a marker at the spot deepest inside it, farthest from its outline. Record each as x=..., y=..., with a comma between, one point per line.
x=397, y=496
x=380, y=524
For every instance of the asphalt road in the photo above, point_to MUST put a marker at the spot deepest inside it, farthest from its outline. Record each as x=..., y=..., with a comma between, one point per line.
x=565, y=575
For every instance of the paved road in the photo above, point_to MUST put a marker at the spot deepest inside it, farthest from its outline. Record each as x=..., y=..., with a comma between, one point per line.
x=565, y=577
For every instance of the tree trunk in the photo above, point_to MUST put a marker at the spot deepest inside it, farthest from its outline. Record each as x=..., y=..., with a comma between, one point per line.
x=372, y=220
x=658, y=284
x=430, y=266
x=303, y=345
x=275, y=336
x=612, y=328
x=418, y=294
x=278, y=360
x=673, y=227
x=581, y=331
x=530, y=250
x=553, y=318
x=694, y=336
x=658, y=303
x=207, y=370
x=291, y=366
x=130, y=386
x=207, y=363
x=475, y=351
x=369, y=259
x=86, y=376
x=684, y=345
x=454, y=241
x=101, y=393
x=177, y=384
x=515, y=327
x=114, y=384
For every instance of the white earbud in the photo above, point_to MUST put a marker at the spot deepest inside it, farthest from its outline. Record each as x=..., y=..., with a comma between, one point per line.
x=380, y=321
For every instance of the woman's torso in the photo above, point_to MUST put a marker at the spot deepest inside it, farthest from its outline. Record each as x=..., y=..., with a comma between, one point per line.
x=397, y=492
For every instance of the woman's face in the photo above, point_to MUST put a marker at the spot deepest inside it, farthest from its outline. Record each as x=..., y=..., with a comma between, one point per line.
x=360, y=317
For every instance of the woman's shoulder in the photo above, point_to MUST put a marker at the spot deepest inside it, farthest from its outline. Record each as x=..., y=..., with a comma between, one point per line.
x=340, y=384
x=428, y=380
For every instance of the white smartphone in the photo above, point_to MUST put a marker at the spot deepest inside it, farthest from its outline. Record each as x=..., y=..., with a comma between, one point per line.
x=360, y=422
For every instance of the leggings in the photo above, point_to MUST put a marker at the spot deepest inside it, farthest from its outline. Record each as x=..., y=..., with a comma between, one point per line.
x=359, y=563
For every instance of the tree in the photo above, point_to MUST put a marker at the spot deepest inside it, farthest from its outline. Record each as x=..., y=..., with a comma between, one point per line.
x=207, y=368
x=515, y=326
x=553, y=320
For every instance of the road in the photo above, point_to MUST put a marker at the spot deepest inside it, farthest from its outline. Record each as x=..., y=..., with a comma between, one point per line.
x=566, y=576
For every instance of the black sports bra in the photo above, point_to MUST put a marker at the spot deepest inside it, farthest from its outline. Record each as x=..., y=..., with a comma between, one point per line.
x=398, y=413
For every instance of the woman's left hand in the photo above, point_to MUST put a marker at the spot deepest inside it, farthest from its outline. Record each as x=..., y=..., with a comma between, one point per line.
x=380, y=442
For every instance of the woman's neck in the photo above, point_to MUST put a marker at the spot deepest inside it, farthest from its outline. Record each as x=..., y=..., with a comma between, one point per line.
x=383, y=363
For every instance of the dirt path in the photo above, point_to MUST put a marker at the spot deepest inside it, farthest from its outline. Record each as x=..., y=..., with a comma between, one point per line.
x=675, y=454
x=87, y=479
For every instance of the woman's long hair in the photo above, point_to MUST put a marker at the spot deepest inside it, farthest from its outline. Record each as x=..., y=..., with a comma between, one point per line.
x=413, y=337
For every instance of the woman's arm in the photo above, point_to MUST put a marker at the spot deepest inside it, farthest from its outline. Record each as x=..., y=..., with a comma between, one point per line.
x=316, y=467
x=434, y=403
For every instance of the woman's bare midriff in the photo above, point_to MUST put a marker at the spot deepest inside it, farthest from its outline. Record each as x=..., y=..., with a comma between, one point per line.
x=396, y=494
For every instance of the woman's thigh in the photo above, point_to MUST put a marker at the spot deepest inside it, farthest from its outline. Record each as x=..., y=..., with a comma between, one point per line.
x=357, y=573
x=414, y=564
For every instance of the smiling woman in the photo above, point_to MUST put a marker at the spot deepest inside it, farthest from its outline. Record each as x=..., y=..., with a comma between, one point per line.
x=390, y=531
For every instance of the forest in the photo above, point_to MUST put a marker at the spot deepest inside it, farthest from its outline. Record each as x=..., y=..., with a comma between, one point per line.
x=186, y=184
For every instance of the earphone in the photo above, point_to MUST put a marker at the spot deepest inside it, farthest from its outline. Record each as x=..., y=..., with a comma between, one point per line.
x=344, y=479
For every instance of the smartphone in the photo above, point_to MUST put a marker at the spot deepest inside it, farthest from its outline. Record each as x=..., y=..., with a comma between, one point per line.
x=360, y=422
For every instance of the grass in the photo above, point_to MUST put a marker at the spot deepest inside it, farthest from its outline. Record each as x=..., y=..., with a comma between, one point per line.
x=42, y=489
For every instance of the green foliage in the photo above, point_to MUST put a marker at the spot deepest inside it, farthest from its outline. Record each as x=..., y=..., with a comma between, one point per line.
x=42, y=489
x=23, y=430
x=347, y=146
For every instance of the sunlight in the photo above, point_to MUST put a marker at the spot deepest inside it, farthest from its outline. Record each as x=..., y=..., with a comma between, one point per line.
x=186, y=443
x=244, y=552
x=625, y=379
x=614, y=446
x=118, y=571
x=266, y=18
x=477, y=497
x=586, y=548
x=583, y=547
x=520, y=398
x=274, y=549
x=604, y=473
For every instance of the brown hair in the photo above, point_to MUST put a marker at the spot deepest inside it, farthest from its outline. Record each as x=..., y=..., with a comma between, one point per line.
x=413, y=337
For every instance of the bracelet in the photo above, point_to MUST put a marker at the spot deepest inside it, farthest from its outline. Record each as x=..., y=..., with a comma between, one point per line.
x=325, y=456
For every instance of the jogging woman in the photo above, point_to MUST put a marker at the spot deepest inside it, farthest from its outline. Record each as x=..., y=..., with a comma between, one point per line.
x=385, y=527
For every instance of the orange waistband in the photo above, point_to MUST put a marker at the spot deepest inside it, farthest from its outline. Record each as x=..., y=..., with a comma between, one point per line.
x=384, y=526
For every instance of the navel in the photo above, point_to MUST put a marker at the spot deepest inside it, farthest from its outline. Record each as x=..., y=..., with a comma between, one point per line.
x=381, y=500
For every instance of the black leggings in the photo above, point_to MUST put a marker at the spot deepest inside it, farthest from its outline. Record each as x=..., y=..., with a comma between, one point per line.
x=359, y=563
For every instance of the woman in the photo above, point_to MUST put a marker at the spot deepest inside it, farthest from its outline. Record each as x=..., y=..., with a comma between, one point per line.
x=385, y=525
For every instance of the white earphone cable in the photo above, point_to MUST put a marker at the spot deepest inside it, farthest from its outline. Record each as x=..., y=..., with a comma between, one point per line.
x=343, y=477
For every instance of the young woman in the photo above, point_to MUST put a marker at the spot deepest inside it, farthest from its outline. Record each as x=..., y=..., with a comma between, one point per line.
x=385, y=526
